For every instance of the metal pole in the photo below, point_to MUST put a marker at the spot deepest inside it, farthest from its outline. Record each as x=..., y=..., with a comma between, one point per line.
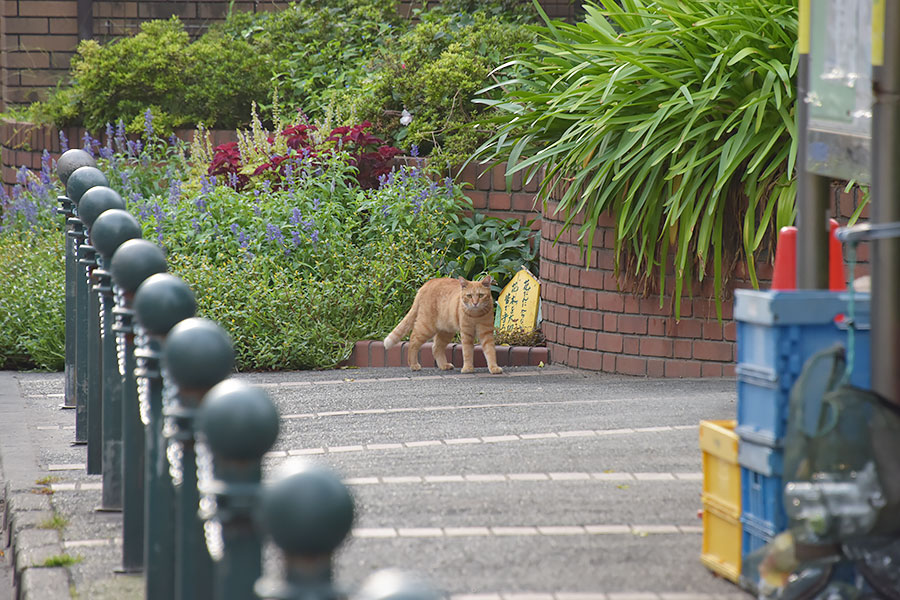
x=81, y=335
x=885, y=190
x=111, y=496
x=812, y=189
x=159, y=498
x=132, y=440
x=67, y=209
x=194, y=566
x=88, y=258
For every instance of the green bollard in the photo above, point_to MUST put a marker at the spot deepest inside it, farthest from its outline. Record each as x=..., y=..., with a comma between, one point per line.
x=87, y=257
x=159, y=304
x=236, y=425
x=131, y=264
x=110, y=229
x=77, y=183
x=93, y=203
x=308, y=512
x=67, y=209
x=198, y=355
x=67, y=163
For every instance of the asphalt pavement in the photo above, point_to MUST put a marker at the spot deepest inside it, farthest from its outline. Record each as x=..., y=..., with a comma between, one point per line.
x=538, y=484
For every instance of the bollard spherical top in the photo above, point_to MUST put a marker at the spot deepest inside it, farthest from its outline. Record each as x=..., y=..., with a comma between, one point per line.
x=134, y=261
x=95, y=201
x=397, y=584
x=239, y=420
x=111, y=229
x=70, y=160
x=307, y=509
x=83, y=179
x=198, y=354
x=162, y=301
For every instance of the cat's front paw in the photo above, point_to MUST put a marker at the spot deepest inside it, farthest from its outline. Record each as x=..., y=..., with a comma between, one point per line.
x=446, y=367
x=495, y=370
x=415, y=367
x=467, y=369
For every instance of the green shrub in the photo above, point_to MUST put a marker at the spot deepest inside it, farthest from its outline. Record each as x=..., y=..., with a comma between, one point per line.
x=432, y=72
x=212, y=81
x=673, y=115
x=316, y=48
x=481, y=245
x=32, y=299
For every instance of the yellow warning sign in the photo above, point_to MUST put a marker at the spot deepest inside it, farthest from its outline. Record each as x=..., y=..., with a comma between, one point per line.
x=519, y=302
x=877, y=33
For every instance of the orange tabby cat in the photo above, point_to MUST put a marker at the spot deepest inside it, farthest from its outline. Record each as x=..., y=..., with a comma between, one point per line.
x=441, y=308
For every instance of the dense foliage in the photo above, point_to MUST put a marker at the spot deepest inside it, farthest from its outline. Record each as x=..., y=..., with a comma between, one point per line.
x=212, y=80
x=297, y=264
x=421, y=87
x=675, y=116
x=346, y=61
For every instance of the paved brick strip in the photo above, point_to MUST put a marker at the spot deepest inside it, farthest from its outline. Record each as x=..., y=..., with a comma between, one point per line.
x=612, y=477
x=491, y=439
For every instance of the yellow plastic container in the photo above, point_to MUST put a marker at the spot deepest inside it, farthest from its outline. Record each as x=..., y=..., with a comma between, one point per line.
x=722, y=536
x=721, y=471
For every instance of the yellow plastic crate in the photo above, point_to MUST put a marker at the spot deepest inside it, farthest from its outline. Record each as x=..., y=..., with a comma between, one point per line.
x=722, y=537
x=721, y=471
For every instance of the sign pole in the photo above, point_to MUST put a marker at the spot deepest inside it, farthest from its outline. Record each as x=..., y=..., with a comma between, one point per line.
x=885, y=192
x=812, y=189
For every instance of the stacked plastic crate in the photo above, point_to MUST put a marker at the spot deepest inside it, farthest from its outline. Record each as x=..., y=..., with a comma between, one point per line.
x=776, y=333
x=721, y=499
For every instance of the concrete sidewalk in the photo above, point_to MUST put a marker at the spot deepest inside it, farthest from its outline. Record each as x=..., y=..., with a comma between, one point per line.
x=49, y=502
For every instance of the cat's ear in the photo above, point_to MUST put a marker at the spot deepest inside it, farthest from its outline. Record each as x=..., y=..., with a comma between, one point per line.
x=462, y=282
x=487, y=281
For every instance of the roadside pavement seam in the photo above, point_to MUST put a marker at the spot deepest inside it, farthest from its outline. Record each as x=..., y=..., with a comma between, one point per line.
x=26, y=505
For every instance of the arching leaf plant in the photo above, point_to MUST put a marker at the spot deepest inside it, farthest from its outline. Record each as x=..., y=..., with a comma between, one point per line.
x=675, y=116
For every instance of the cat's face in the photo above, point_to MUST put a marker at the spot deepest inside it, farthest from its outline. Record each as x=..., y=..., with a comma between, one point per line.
x=476, y=295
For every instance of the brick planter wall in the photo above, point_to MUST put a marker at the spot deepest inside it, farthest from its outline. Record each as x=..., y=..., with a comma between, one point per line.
x=594, y=321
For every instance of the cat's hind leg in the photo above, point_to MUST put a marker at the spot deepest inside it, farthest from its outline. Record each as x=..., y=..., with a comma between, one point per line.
x=439, y=349
x=416, y=339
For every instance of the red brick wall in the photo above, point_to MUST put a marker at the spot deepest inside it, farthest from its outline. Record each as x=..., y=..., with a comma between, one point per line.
x=39, y=37
x=594, y=321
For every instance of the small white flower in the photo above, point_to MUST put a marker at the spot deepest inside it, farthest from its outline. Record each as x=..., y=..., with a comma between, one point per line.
x=405, y=117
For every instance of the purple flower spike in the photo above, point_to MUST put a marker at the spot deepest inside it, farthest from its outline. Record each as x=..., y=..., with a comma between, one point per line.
x=148, y=124
x=63, y=141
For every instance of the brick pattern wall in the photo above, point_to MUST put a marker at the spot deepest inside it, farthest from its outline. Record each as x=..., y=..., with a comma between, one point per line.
x=594, y=321
x=38, y=37
x=489, y=194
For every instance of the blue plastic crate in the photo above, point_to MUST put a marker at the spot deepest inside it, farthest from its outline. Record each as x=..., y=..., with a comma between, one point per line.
x=762, y=500
x=777, y=332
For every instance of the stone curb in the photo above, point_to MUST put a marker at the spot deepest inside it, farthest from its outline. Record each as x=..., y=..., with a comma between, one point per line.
x=371, y=353
x=30, y=546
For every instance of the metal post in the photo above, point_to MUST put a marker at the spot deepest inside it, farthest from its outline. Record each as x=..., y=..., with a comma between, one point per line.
x=885, y=190
x=198, y=355
x=68, y=162
x=85, y=11
x=111, y=496
x=67, y=209
x=812, y=189
x=88, y=259
x=132, y=439
x=159, y=303
x=308, y=512
x=81, y=334
x=237, y=424
x=159, y=493
x=132, y=262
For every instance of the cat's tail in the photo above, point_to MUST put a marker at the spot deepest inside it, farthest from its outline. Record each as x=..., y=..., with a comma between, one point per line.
x=403, y=327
